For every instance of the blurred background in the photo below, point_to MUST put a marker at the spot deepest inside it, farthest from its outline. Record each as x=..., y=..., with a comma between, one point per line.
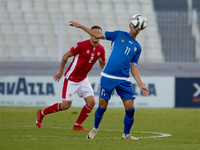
x=38, y=30
x=34, y=34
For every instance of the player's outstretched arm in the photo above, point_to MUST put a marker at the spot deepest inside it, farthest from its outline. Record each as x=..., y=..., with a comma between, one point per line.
x=95, y=33
x=137, y=78
x=65, y=57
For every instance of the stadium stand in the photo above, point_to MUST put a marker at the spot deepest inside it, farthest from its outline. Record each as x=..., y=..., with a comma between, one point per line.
x=178, y=40
x=196, y=5
x=30, y=29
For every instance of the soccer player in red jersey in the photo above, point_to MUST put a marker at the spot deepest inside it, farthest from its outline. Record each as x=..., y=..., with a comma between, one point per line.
x=85, y=54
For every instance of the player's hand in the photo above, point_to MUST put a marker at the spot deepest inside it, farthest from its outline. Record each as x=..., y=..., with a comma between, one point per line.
x=74, y=24
x=57, y=76
x=145, y=90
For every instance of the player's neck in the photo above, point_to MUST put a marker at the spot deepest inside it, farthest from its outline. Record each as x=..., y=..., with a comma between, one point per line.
x=95, y=44
x=132, y=35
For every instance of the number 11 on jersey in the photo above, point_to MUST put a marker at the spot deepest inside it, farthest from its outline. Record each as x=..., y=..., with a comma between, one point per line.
x=127, y=50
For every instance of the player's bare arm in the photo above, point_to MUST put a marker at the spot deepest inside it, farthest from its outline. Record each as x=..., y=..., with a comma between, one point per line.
x=94, y=33
x=65, y=57
x=102, y=63
x=137, y=78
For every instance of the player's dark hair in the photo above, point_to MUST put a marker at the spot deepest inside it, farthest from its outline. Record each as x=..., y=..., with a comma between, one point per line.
x=96, y=27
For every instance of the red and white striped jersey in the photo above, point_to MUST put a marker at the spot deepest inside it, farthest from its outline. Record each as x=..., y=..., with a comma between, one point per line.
x=85, y=56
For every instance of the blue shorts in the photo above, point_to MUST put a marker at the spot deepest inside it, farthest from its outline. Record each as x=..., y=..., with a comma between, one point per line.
x=124, y=88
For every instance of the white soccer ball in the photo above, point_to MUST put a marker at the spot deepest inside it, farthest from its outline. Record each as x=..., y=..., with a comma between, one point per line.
x=139, y=22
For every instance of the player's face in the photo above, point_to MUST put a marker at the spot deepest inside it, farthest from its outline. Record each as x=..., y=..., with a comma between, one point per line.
x=93, y=39
x=133, y=31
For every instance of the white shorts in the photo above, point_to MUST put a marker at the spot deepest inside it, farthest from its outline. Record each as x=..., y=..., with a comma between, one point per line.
x=70, y=88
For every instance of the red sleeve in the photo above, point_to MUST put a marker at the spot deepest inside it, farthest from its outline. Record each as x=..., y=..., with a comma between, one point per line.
x=76, y=49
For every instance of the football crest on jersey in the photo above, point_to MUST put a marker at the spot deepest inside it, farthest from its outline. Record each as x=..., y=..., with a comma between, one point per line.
x=135, y=49
x=88, y=51
x=122, y=40
x=98, y=53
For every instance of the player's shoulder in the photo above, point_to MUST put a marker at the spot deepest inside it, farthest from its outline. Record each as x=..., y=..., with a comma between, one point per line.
x=121, y=32
x=100, y=48
x=137, y=44
x=136, y=41
x=124, y=32
x=115, y=31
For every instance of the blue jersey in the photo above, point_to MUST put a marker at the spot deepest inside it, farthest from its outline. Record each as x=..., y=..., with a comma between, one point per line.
x=124, y=51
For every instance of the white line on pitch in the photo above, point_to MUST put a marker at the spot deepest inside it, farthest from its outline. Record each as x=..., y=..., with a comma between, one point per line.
x=158, y=135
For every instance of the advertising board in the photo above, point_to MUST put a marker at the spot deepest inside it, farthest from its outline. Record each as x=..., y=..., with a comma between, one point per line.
x=44, y=91
x=187, y=92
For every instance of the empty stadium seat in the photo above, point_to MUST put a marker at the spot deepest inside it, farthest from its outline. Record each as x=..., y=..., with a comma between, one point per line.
x=29, y=17
x=2, y=40
x=107, y=8
x=93, y=8
x=7, y=28
x=40, y=6
x=120, y=8
x=23, y=40
x=53, y=6
x=32, y=26
x=20, y=28
x=80, y=8
x=13, y=6
x=26, y=6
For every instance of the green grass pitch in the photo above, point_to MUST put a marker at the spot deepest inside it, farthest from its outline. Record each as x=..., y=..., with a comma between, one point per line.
x=160, y=129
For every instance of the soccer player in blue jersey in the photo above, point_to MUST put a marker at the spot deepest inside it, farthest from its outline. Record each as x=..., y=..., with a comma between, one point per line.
x=125, y=52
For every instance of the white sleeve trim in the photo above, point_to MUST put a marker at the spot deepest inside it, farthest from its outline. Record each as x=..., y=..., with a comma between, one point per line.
x=104, y=34
x=133, y=63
